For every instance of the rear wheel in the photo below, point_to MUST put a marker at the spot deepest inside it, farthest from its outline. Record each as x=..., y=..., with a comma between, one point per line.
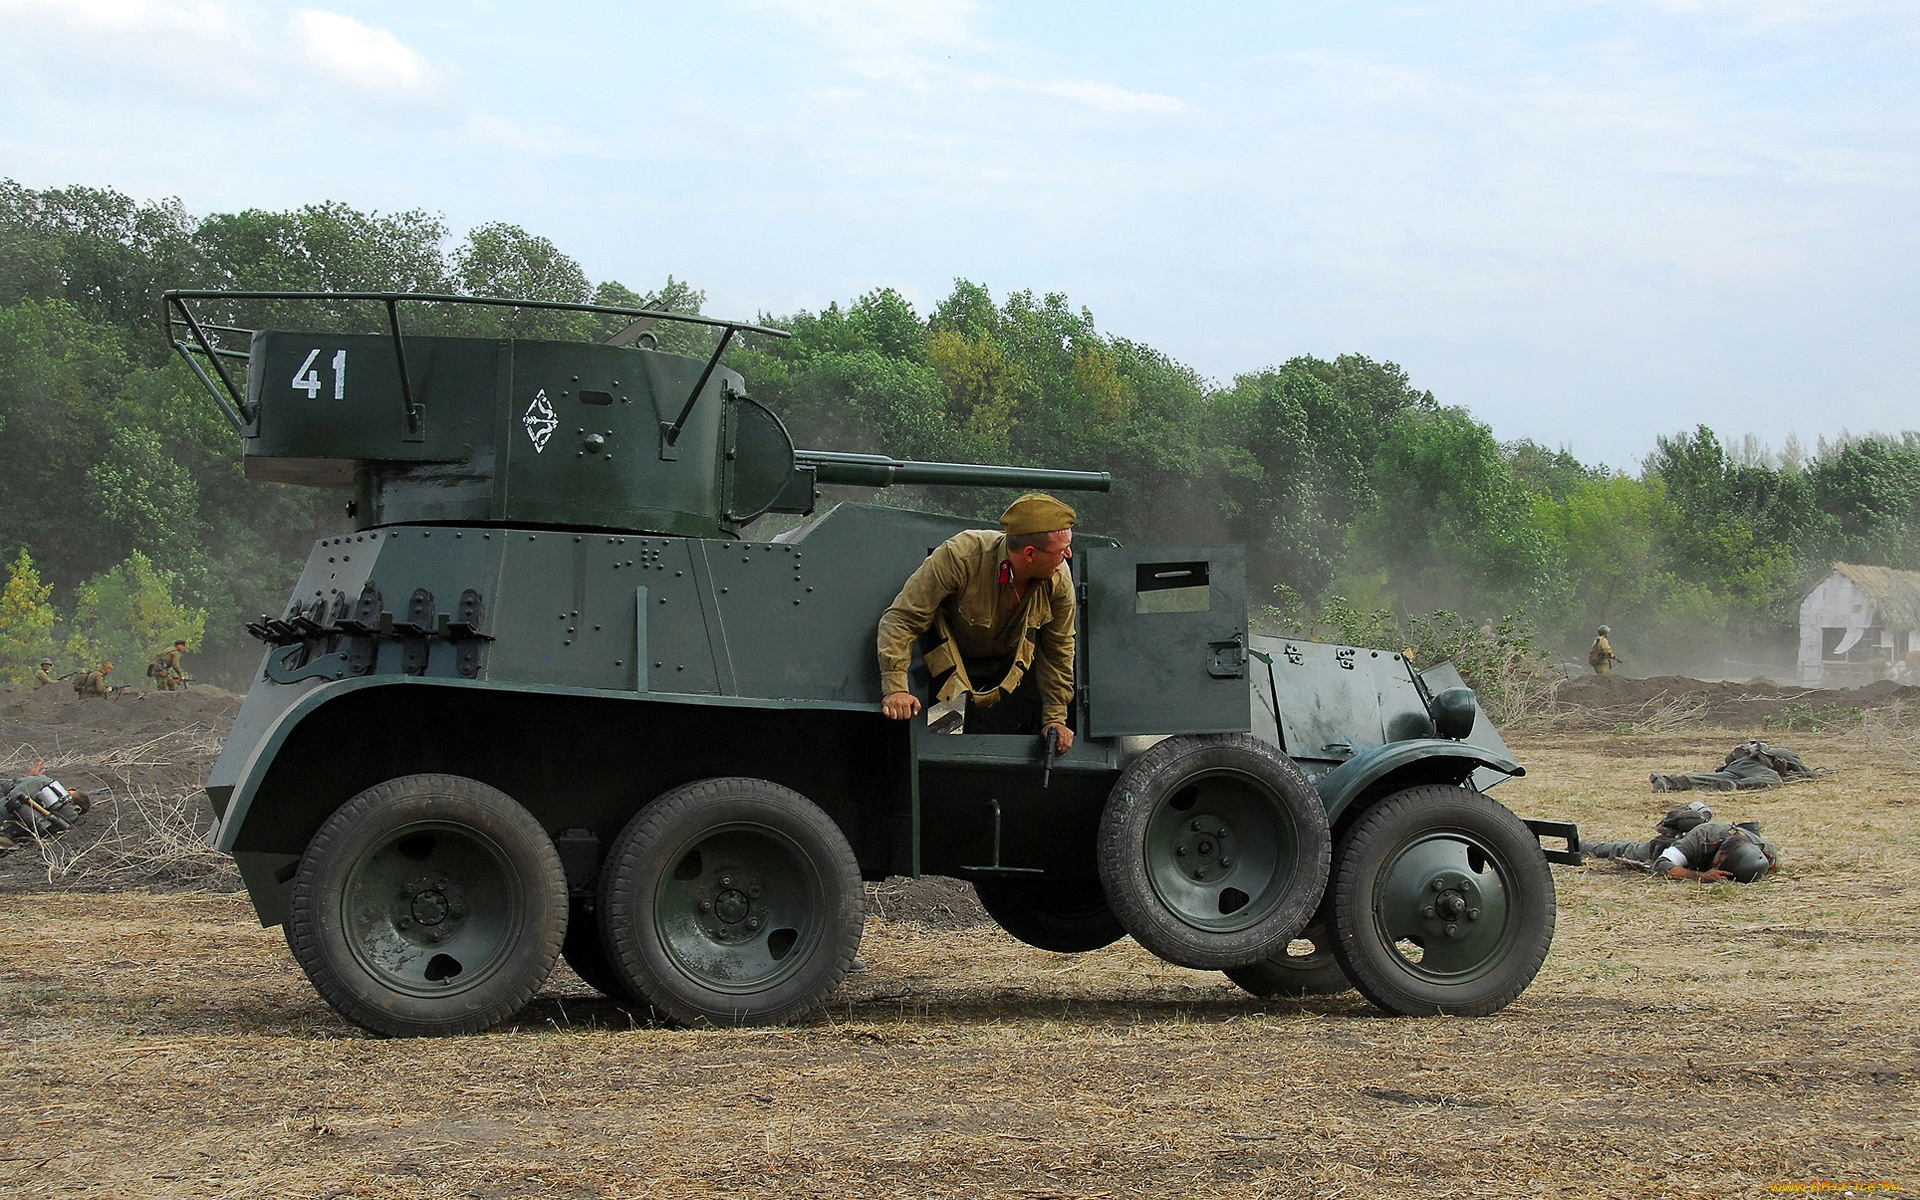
x=427, y=905
x=1067, y=916
x=1213, y=850
x=586, y=952
x=732, y=902
x=1305, y=967
x=1442, y=903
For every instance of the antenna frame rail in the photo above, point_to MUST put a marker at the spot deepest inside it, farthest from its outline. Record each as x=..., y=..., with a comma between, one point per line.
x=240, y=414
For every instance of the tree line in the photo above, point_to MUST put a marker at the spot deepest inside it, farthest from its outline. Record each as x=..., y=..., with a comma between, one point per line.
x=1363, y=500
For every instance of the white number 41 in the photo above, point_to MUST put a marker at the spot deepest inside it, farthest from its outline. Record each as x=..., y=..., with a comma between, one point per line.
x=307, y=378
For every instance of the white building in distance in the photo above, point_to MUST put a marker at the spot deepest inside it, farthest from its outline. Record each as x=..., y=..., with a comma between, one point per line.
x=1860, y=624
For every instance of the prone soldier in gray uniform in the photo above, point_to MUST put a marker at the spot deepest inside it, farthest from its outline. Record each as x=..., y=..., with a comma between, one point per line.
x=38, y=806
x=1748, y=766
x=1691, y=845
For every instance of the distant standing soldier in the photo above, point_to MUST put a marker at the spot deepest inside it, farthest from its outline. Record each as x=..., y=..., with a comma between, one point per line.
x=94, y=682
x=43, y=674
x=1601, y=658
x=167, y=675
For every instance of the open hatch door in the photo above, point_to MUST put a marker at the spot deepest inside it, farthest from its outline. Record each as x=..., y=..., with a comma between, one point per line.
x=1166, y=640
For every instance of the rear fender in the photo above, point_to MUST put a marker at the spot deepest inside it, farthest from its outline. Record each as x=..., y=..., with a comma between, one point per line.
x=582, y=763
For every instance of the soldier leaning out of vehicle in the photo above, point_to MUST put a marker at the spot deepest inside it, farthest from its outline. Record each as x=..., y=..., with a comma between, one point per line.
x=1690, y=844
x=38, y=806
x=1002, y=606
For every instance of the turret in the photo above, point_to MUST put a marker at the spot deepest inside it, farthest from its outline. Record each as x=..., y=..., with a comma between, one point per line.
x=616, y=436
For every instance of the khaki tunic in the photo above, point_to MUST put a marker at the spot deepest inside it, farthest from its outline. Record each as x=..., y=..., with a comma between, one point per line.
x=41, y=677
x=93, y=683
x=960, y=581
x=170, y=672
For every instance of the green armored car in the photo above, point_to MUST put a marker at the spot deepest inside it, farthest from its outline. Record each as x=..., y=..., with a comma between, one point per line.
x=546, y=698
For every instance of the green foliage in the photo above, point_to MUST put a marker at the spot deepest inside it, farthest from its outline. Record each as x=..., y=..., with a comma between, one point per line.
x=1349, y=485
x=1549, y=473
x=129, y=614
x=1805, y=717
x=26, y=619
x=1450, y=524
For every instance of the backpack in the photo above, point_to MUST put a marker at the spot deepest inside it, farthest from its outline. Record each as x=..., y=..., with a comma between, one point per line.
x=1682, y=819
x=157, y=669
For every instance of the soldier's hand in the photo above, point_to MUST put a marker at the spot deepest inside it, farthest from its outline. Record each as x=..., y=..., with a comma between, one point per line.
x=1066, y=735
x=1715, y=875
x=900, y=705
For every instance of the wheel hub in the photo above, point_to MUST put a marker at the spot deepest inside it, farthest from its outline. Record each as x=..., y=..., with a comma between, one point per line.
x=1454, y=902
x=733, y=908
x=1202, y=850
x=430, y=907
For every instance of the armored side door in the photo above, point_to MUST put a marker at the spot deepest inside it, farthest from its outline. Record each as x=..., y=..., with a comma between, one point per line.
x=1165, y=641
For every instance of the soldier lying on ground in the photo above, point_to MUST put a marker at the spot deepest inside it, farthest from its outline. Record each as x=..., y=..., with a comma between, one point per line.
x=38, y=806
x=1690, y=844
x=1748, y=765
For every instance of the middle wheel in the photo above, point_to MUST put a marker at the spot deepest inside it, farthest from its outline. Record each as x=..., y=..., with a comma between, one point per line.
x=1214, y=850
x=732, y=902
x=1067, y=916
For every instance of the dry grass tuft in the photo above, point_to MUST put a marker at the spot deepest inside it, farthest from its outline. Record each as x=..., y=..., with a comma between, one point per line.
x=146, y=826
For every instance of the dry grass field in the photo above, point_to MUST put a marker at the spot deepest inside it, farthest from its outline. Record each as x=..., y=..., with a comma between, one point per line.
x=1681, y=1040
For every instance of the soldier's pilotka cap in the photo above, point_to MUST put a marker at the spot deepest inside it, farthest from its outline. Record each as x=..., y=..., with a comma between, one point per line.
x=1036, y=512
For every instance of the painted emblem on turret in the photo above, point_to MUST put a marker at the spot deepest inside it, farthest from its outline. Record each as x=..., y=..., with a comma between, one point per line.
x=540, y=421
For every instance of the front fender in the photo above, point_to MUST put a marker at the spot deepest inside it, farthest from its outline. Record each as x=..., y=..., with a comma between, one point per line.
x=1405, y=764
x=271, y=712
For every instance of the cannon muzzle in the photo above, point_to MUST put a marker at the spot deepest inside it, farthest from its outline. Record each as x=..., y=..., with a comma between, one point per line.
x=877, y=470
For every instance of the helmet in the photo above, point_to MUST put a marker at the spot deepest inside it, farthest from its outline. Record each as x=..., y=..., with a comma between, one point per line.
x=1742, y=857
x=46, y=662
x=1604, y=631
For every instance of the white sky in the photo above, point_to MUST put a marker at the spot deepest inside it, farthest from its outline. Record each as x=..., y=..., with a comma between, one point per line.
x=1591, y=223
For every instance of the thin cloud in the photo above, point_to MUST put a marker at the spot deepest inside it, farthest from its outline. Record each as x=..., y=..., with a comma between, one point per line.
x=912, y=47
x=200, y=47
x=360, y=56
x=1105, y=97
x=528, y=137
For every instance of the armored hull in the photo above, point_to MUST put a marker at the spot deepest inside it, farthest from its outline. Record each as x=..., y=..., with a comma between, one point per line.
x=546, y=697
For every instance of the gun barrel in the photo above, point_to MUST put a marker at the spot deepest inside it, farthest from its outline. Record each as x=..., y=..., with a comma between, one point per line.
x=877, y=470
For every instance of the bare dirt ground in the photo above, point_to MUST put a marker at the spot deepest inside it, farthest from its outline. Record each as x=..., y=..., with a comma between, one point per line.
x=1680, y=1039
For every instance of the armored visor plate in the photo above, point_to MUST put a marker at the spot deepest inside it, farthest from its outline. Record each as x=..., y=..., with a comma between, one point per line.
x=1165, y=642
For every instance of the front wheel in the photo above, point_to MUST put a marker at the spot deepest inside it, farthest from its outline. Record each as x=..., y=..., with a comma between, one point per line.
x=732, y=902
x=1442, y=903
x=428, y=905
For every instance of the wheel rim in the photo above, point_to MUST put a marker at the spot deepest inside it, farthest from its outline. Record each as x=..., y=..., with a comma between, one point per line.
x=433, y=908
x=1216, y=851
x=740, y=909
x=1442, y=908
